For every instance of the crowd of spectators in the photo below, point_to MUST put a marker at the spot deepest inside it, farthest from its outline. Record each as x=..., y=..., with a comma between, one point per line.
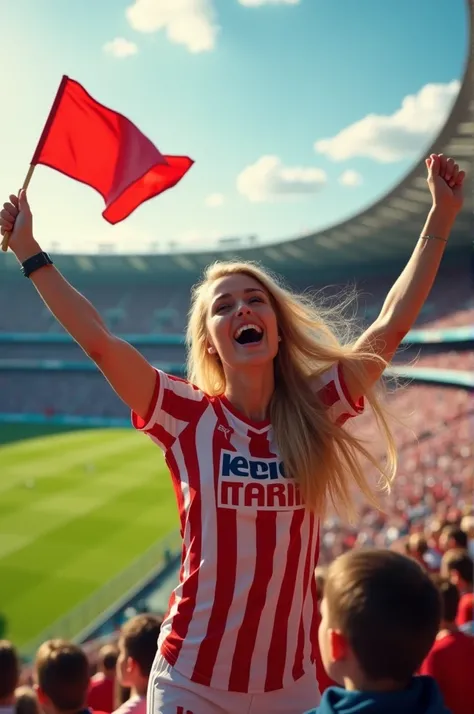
x=433, y=427
x=410, y=615
x=64, y=680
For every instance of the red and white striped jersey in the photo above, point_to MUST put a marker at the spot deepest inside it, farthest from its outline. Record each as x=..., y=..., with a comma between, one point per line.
x=241, y=618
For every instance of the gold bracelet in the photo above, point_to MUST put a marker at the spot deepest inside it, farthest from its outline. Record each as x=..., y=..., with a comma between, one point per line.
x=445, y=240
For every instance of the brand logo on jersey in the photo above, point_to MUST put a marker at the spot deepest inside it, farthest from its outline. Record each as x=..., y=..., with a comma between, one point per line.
x=227, y=431
x=257, y=484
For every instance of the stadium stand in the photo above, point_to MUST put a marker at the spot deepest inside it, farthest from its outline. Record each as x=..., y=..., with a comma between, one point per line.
x=151, y=308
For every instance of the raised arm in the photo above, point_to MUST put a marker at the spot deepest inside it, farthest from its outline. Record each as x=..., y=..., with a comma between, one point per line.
x=129, y=373
x=407, y=296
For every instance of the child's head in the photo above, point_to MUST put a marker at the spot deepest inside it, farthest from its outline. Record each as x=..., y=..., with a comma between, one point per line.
x=452, y=537
x=62, y=676
x=137, y=648
x=417, y=545
x=380, y=616
x=458, y=567
x=9, y=671
x=449, y=601
x=107, y=662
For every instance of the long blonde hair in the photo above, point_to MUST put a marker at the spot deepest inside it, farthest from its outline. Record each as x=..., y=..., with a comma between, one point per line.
x=325, y=458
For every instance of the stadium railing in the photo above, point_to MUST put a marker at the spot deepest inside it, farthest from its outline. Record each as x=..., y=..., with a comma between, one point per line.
x=60, y=365
x=414, y=337
x=434, y=375
x=453, y=377
x=78, y=623
x=417, y=375
x=61, y=338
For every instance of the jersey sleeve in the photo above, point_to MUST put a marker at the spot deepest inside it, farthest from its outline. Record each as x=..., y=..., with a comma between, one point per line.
x=175, y=403
x=332, y=390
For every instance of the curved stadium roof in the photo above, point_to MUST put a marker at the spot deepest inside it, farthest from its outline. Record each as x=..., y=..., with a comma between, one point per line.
x=380, y=234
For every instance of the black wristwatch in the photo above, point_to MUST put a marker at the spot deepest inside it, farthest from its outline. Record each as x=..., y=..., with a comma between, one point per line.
x=40, y=260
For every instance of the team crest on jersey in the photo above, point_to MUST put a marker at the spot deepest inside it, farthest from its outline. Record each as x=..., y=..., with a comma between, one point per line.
x=256, y=484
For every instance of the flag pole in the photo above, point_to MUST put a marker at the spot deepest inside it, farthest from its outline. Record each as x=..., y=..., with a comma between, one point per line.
x=26, y=183
x=43, y=137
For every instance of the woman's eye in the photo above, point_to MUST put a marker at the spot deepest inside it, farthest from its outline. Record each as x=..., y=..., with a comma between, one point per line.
x=221, y=308
x=255, y=299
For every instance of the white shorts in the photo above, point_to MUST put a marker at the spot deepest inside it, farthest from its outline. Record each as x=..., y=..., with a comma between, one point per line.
x=169, y=692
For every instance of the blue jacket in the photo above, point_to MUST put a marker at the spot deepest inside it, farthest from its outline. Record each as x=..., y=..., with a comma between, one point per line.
x=421, y=697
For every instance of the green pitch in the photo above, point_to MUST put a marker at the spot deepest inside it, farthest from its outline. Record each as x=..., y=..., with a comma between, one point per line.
x=75, y=509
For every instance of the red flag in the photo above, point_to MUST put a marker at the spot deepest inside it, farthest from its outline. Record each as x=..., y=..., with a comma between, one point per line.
x=103, y=149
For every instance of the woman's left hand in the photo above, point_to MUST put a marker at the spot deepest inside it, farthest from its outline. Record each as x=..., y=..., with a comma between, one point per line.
x=445, y=181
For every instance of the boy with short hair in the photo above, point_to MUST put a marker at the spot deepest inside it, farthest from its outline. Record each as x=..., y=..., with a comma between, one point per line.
x=380, y=617
x=62, y=677
x=137, y=649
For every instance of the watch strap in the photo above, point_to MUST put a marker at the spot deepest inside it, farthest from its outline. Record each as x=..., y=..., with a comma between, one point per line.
x=40, y=260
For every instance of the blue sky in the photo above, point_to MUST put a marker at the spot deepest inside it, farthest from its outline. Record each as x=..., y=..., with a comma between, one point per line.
x=295, y=111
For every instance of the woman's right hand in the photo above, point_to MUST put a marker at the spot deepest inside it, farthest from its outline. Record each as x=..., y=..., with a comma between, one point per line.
x=16, y=218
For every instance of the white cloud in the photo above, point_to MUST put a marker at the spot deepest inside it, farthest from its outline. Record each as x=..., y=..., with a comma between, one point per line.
x=187, y=22
x=214, y=200
x=120, y=47
x=269, y=180
x=259, y=3
x=388, y=138
x=350, y=178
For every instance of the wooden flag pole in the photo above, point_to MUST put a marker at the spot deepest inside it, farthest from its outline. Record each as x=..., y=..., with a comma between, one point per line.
x=26, y=183
x=36, y=155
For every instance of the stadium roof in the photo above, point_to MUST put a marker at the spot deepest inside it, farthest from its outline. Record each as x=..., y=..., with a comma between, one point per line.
x=382, y=234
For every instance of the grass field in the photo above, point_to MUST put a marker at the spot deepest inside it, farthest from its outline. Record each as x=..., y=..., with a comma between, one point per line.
x=75, y=509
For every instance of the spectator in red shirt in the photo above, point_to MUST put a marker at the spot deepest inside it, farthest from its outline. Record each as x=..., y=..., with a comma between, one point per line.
x=458, y=567
x=451, y=659
x=101, y=693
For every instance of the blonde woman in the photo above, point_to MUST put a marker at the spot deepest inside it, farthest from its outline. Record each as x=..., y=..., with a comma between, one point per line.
x=256, y=445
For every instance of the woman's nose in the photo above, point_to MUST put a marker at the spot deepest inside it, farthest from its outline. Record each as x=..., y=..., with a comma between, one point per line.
x=243, y=310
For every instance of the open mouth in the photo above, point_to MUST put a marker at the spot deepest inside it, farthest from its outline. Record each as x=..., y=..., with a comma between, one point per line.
x=248, y=335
